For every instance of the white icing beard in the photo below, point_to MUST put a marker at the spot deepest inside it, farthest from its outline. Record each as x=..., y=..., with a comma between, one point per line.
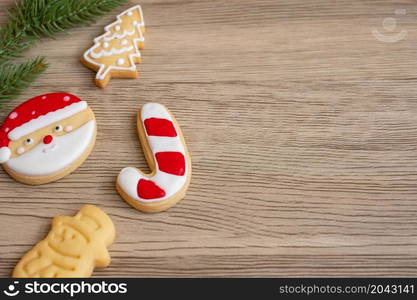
x=48, y=159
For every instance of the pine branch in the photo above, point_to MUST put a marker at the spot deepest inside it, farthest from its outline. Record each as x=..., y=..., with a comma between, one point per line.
x=30, y=20
x=15, y=78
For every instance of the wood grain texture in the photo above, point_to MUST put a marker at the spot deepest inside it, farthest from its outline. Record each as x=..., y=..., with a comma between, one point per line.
x=302, y=127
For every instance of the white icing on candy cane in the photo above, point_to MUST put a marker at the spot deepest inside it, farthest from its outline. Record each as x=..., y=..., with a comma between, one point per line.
x=170, y=183
x=103, y=71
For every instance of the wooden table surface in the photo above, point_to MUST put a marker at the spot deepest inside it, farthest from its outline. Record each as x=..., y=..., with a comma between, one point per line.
x=301, y=120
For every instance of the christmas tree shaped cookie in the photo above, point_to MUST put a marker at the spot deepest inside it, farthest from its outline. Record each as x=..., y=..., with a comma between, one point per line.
x=116, y=52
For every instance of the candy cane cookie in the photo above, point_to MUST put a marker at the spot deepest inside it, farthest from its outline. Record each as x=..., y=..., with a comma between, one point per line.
x=166, y=153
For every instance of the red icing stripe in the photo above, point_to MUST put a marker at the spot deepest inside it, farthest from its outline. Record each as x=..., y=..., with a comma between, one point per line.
x=149, y=190
x=171, y=162
x=160, y=127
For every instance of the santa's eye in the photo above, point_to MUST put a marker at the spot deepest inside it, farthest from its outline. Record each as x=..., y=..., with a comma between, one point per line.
x=28, y=141
x=58, y=128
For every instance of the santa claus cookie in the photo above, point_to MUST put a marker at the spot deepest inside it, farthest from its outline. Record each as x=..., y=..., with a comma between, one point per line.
x=168, y=158
x=46, y=138
x=116, y=52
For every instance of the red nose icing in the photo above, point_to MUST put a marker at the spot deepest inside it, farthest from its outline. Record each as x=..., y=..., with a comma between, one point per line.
x=48, y=139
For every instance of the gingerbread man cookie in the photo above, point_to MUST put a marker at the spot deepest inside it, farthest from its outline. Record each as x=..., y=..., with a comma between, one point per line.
x=116, y=53
x=73, y=247
x=167, y=155
x=46, y=138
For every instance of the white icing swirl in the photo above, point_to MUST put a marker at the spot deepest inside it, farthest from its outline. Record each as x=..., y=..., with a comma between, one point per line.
x=119, y=36
x=111, y=52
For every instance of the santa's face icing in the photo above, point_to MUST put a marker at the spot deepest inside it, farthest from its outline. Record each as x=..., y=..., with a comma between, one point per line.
x=46, y=135
x=53, y=153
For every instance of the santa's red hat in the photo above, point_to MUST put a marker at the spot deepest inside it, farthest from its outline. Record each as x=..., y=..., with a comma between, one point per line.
x=34, y=114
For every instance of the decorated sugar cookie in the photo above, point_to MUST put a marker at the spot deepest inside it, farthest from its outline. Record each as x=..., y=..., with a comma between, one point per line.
x=73, y=247
x=116, y=53
x=46, y=138
x=167, y=155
